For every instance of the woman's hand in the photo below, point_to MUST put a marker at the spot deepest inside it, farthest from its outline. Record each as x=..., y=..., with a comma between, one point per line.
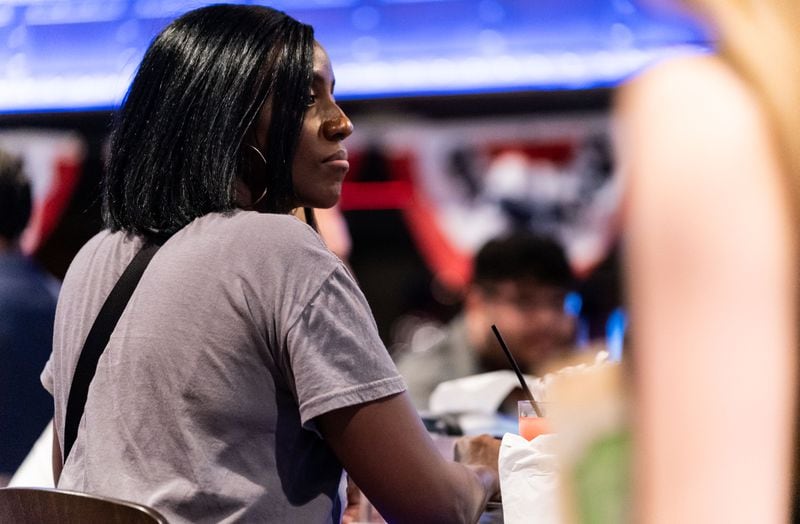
x=482, y=450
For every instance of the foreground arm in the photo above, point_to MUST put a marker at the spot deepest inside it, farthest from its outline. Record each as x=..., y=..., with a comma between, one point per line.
x=385, y=448
x=712, y=279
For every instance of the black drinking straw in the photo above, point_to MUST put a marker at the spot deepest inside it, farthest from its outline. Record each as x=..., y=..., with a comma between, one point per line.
x=525, y=389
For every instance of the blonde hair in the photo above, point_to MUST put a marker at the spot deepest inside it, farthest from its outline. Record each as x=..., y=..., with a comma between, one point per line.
x=760, y=39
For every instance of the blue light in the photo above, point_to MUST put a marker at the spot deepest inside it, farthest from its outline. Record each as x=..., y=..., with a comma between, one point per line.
x=616, y=326
x=573, y=303
x=74, y=54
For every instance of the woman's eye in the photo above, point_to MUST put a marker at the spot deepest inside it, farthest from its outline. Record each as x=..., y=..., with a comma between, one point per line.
x=311, y=99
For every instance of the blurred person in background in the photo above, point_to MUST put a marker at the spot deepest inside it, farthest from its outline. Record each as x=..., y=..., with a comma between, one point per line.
x=519, y=282
x=246, y=371
x=710, y=148
x=27, y=308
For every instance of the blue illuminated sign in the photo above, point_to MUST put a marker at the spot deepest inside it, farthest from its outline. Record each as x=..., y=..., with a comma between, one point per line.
x=80, y=54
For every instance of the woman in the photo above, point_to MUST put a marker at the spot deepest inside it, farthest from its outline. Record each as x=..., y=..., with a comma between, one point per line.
x=711, y=146
x=247, y=368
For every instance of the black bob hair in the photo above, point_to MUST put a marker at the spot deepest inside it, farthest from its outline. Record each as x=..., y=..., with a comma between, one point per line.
x=176, y=147
x=522, y=255
x=15, y=198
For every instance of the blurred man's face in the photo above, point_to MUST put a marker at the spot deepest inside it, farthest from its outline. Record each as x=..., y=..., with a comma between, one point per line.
x=530, y=316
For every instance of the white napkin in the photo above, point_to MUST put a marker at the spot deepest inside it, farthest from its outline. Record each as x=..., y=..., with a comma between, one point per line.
x=529, y=480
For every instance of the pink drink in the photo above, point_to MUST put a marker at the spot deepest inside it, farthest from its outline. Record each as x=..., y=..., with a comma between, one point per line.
x=532, y=427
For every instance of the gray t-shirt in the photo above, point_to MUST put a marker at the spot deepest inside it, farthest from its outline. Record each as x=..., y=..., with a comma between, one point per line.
x=243, y=329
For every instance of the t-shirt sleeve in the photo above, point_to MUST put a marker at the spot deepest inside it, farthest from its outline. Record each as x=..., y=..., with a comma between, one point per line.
x=336, y=356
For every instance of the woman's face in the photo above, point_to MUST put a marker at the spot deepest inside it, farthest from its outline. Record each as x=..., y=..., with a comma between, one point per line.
x=320, y=162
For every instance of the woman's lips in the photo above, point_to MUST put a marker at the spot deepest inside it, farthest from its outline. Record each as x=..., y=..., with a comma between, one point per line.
x=338, y=160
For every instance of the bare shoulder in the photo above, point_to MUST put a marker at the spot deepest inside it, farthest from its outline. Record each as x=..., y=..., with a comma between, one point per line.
x=702, y=89
x=698, y=106
x=692, y=135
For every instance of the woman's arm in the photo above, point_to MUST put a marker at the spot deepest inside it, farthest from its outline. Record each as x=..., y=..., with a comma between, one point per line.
x=385, y=448
x=712, y=273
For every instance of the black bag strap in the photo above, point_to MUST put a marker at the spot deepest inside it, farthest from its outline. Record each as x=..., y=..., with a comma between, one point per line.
x=97, y=339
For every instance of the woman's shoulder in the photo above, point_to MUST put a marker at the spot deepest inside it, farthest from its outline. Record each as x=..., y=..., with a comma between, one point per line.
x=703, y=87
x=689, y=115
x=255, y=228
x=100, y=261
x=692, y=132
x=116, y=243
x=264, y=238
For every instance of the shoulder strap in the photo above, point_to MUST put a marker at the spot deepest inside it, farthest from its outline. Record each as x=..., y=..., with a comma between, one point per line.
x=97, y=340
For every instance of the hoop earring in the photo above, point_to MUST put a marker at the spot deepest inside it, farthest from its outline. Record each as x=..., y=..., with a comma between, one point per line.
x=261, y=156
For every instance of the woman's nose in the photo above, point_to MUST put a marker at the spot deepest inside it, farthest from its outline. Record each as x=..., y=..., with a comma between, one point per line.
x=338, y=127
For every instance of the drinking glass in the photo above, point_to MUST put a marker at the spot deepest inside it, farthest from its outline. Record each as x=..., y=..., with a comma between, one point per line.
x=532, y=425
